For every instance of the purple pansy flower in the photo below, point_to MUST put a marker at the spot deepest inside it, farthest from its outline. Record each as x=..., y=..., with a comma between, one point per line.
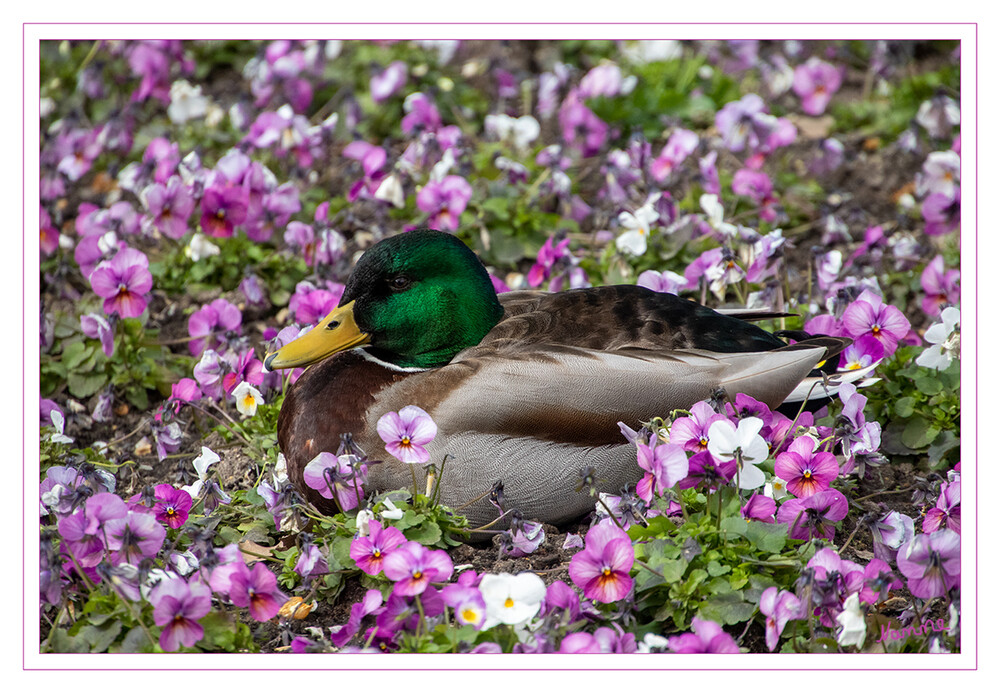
x=466, y=599
x=310, y=304
x=879, y=579
x=664, y=282
x=580, y=125
x=257, y=589
x=136, y=536
x=246, y=368
x=123, y=283
x=941, y=287
x=806, y=470
x=406, y=433
x=759, y=508
x=421, y=114
x=931, y=563
x=947, y=511
x=222, y=210
x=814, y=516
x=370, y=551
x=444, y=201
x=777, y=609
x=206, y=323
x=815, y=82
x=95, y=326
x=413, y=567
x=172, y=505
x=691, y=432
x=869, y=315
x=340, y=635
x=708, y=637
x=863, y=352
x=681, y=144
x=164, y=156
x=177, y=606
x=389, y=81
x=942, y=212
x=169, y=205
x=664, y=464
x=344, y=476
x=601, y=570
x=372, y=160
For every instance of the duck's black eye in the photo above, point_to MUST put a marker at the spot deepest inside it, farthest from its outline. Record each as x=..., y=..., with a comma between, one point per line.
x=400, y=283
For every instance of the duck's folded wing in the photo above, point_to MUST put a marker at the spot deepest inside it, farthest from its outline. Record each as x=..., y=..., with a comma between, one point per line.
x=572, y=395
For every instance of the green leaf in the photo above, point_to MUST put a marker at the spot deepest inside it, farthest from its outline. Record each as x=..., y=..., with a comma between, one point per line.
x=83, y=385
x=229, y=535
x=672, y=569
x=929, y=386
x=137, y=397
x=99, y=638
x=904, y=407
x=715, y=568
x=74, y=353
x=498, y=207
x=61, y=641
x=427, y=533
x=918, y=434
x=942, y=446
x=134, y=641
x=735, y=525
x=658, y=526
x=727, y=608
x=766, y=537
x=220, y=632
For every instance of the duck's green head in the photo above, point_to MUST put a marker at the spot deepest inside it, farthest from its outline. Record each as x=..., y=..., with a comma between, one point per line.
x=413, y=300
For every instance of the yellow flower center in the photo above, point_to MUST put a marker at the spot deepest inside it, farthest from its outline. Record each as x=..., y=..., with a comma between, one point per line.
x=417, y=575
x=376, y=554
x=469, y=614
x=808, y=474
x=508, y=603
x=405, y=442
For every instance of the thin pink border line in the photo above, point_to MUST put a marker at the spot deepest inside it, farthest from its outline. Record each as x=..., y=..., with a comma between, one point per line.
x=975, y=259
x=24, y=290
x=24, y=26
x=637, y=24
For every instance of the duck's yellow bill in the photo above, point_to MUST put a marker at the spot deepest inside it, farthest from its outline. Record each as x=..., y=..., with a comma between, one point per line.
x=336, y=332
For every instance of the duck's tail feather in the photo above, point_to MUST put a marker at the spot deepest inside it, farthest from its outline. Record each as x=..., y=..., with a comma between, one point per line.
x=752, y=314
x=825, y=386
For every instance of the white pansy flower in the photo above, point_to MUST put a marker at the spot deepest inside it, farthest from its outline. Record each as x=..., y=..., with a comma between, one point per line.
x=248, y=398
x=391, y=190
x=391, y=512
x=511, y=599
x=201, y=464
x=637, y=228
x=200, y=248
x=186, y=102
x=852, y=622
x=945, y=340
x=726, y=439
x=713, y=211
x=59, y=423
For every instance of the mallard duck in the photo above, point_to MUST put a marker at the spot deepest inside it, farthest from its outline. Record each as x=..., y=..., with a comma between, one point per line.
x=526, y=387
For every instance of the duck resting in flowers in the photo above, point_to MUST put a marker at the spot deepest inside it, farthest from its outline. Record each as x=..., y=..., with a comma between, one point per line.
x=526, y=387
